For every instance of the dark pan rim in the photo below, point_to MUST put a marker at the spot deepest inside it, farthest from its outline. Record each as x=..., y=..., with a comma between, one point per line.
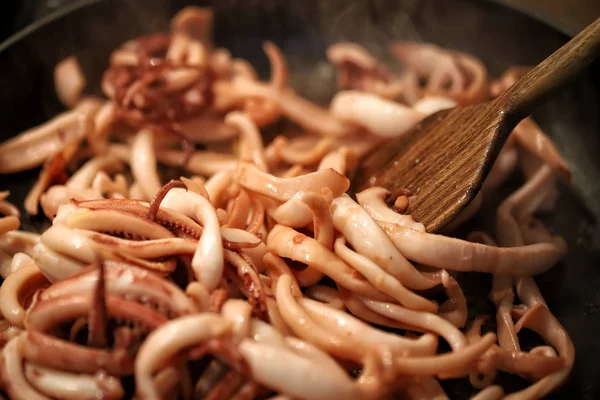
x=537, y=16
x=61, y=12
x=45, y=20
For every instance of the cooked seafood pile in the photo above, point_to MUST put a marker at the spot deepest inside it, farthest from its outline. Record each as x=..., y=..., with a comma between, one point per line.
x=188, y=258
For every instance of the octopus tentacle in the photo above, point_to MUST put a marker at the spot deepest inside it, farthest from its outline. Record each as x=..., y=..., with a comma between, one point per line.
x=45, y=315
x=173, y=220
x=126, y=281
x=52, y=352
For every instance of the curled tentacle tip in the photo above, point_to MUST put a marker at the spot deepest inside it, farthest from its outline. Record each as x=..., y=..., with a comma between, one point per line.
x=529, y=316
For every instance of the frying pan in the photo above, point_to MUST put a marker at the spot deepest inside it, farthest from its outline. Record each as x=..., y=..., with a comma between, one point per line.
x=499, y=36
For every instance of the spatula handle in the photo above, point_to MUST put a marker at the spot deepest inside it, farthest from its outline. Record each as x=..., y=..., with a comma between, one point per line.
x=522, y=98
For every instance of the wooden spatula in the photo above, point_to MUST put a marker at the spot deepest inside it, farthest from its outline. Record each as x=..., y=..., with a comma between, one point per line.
x=443, y=161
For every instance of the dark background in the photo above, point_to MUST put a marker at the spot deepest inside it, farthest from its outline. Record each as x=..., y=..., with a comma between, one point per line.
x=569, y=17
x=17, y=14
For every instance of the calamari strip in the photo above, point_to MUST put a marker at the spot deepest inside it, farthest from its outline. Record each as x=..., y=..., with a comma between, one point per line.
x=111, y=221
x=175, y=221
x=143, y=164
x=343, y=160
x=359, y=69
x=350, y=327
x=6, y=207
x=168, y=340
x=54, y=265
x=301, y=111
x=13, y=243
x=10, y=223
x=72, y=386
x=290, y=373
x=74, y=249
x=373, y=200
x=453, y=310
x=382, y=280
x=282, y=190
x=370, y=240
x=381, y=117
x=205, y=163
x=251, y=144
x=529, y=135
x=302, y=150
x=356, y=306
x=83, y=178
x=422, y=321
x=288, y=243
x=31, y=148
x=15, y=382
x=459, y=255
x=16, y=289
x=69, y=81
x=455, y=364
x=208, y=262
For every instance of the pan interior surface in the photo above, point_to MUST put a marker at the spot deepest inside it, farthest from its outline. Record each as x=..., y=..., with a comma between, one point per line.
x=498, y=36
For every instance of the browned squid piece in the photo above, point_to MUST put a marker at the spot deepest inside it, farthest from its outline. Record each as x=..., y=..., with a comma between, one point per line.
x=162, y=81
x=147, y=87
